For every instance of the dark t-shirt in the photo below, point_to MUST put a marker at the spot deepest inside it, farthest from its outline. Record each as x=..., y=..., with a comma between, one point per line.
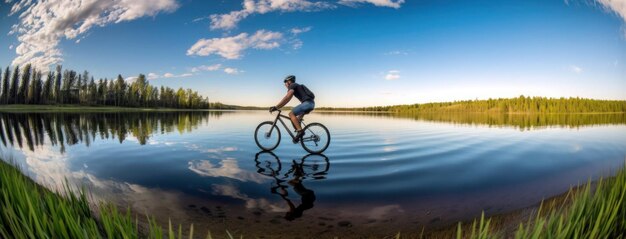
x=298, y=92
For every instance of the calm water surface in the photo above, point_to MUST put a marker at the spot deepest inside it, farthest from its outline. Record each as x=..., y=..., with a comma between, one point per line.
x=381, y=174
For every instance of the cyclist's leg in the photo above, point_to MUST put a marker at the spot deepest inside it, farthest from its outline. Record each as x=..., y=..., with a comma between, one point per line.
x=295, y=112
x=294, y=121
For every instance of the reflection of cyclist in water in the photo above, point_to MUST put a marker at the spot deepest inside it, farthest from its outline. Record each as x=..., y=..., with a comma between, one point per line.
x=307, y=196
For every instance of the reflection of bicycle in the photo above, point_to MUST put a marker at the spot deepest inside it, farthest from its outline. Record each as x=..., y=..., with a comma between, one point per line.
x=269, y=164
x=314, y=166
x=315, y=140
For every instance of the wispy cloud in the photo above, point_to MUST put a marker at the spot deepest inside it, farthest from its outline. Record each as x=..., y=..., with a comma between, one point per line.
x=233, y=47
x=229, y=20
x=154, y=76
x=392, y=75
x=396, y=52
x=616, y=6
x=231, y=71
x=296, y=31
x=576, y=69
x=206, y=68
x=379, y=3
x=43, y=24
x=199, y=19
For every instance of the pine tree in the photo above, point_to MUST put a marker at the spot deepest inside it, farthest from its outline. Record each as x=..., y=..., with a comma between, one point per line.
x=93, y=92
x=14, y=85
x=47, y=89
x=23, y=90
x=57, y=85
x=120, y=89
x=100, y=92
x=5, y=86
x=38, y=88
x=32, y=90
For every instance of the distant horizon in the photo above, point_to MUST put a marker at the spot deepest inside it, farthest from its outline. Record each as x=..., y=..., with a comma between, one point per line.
x=350, y=53
x=294, y=102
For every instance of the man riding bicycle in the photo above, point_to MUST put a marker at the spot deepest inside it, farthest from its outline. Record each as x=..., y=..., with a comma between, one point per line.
x=306, y=105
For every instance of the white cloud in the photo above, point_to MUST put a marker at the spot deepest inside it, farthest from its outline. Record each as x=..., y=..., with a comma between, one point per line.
x=230, y=20
x=617, y=6
x=170, y=75
x=11, y=47
x=231, y=71
x=43, y=24
x=576, y=69
x=228, y=167
x=392, y=75
x=233, y=47
x=379, y=3
x=206, y=68
x=296, y=31
x=152, y=76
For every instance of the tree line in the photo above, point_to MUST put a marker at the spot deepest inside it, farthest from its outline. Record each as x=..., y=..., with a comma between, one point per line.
x=26, y=85
x=521, y=104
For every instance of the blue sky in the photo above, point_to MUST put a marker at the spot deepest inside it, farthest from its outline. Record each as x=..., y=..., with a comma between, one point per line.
x=349, y=52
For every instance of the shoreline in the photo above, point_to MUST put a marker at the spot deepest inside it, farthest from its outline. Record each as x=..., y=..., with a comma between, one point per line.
x=497, y=225
x=24, y=108
x=508, y=222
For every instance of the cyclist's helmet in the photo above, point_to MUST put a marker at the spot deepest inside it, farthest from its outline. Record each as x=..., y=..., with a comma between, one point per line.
x=291, y=78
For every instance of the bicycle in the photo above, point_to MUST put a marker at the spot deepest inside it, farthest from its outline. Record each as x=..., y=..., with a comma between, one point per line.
x=315, y=140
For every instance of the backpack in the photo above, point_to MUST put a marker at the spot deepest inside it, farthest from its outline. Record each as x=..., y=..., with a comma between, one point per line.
x=308, y=92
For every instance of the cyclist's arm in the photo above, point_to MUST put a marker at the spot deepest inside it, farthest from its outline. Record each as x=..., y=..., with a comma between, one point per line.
x=285, y=99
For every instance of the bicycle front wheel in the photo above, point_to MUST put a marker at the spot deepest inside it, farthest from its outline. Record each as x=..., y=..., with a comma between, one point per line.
x=267, y=136
x=316, y=138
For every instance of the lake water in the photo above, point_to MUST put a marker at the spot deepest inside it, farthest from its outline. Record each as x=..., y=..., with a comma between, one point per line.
x=381, y=174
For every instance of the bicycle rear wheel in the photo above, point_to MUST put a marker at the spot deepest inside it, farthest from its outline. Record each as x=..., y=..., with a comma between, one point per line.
x=316, y=138
x=315, y=166
x=267, y=136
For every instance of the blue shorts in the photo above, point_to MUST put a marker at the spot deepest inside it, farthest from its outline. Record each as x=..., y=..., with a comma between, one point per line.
x=303, y=107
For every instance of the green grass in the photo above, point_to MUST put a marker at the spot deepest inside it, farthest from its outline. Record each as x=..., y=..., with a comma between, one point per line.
x=28, y=210
x=591, y=211
x=80, y=108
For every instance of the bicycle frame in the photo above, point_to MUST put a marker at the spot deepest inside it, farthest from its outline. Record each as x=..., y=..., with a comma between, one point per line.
x=278, y=118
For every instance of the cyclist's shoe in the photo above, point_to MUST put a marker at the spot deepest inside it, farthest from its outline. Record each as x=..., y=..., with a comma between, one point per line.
x=298, y=136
